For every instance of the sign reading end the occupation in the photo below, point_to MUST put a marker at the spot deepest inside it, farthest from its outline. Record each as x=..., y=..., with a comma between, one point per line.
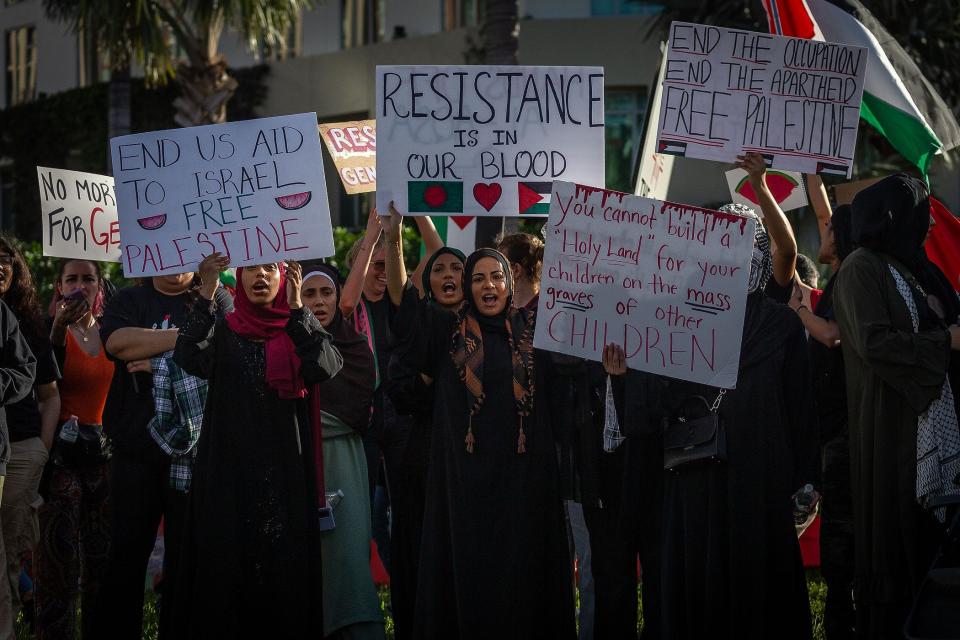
x=252, y=190
x=728, y=91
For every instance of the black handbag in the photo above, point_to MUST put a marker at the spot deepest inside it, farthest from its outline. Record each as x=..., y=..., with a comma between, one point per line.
x=688, y=439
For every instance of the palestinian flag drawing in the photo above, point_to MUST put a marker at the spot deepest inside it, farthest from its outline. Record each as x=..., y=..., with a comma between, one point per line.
x=534, y=198
x=434, y=197
x=898, y=101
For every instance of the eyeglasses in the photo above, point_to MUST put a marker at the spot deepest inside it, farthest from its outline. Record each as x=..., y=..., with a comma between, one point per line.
x=6, y=260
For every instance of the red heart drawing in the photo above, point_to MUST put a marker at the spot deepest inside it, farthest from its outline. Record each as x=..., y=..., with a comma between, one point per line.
x=487, y=194
x=462, y=221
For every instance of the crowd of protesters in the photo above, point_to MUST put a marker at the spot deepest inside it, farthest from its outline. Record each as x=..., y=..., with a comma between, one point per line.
x=269, y=425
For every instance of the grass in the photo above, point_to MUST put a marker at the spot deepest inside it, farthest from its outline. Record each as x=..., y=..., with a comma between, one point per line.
x=815, y=586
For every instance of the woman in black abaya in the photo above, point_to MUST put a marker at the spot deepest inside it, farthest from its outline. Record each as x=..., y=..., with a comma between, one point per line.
x=494, y=560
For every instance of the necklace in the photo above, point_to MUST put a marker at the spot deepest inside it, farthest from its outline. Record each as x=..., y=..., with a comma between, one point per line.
x=81, y=331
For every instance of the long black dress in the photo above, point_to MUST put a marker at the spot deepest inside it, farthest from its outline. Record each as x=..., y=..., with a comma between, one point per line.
x=252, y=560
x=494, y=561
x=731, y=564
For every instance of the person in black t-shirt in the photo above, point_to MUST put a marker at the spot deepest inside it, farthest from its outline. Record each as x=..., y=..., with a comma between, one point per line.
x=37, y=411
x=139, y=323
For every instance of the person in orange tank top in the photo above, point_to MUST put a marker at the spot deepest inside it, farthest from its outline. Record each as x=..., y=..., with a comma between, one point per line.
x=75, y=517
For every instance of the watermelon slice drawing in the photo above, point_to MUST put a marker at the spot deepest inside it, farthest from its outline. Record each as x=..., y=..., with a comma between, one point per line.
x=294, y=201
x=781, y=185
x=150, y=223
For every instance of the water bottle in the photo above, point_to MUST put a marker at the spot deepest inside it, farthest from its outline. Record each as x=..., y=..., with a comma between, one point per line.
x=803, y=504
x=70, y=430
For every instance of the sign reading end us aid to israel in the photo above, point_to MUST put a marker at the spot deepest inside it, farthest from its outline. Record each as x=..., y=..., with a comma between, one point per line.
x=251, y=190
x=665, y=281
x=485, y=140
x=79, y=215
x=728, y=91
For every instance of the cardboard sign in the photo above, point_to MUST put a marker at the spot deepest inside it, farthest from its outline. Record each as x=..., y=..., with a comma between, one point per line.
x=353, y=147
x=79, y=215
x=786, y=187
x=486, y=140
x=727, y=91
x=665, y=281
x=251, y=190
x=656, y=169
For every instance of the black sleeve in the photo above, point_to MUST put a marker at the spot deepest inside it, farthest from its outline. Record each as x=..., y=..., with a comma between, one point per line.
x=319, y=359
x=405, y=387
x=403, y=318
x=195, y=351
x=121, y=312
x=59, y=353
x=223, y=301
x=47, y=369
x=18, y=366
x=777, y=292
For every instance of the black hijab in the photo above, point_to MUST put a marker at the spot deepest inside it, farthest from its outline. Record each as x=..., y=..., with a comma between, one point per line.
x=349, y=394
x=493, y=324
x=425, y=276
x=893, y=217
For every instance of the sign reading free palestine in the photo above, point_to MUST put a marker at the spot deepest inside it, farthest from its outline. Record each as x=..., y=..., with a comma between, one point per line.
x=485, y=140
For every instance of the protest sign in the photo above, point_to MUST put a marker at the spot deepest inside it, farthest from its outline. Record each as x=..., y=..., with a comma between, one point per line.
x=353, y=147
x=665, y=281
x=656, y=169
x=485, y=140
x=252, y=190
x=79, y=213
x=786, y=187
x=727, y=91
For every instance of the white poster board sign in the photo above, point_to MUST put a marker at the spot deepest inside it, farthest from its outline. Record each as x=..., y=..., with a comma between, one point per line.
x=656, y=169
x=485, y=140
x=727, y=91
x=79, y=215
x=252, y=190
x=786, y=187
x=665, y=281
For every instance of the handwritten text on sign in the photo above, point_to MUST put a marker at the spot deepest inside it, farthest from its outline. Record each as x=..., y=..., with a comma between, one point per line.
x=727, y=91
x=353, y=147
x=485, y=140
x=79, y=215
x=667, y=282
x=251, y=190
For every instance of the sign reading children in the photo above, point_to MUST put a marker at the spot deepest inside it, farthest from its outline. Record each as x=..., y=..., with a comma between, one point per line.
x=485, y=140
x=252, y=190
x=665, y=281
x=79, y=215
x=727, y=91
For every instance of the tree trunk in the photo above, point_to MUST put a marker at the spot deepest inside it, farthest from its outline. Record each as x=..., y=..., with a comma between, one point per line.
x=118, y=108
x=204, y=93
x=500, y=32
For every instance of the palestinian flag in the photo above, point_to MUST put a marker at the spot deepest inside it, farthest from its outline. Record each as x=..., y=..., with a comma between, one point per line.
x=534, y=198
x=898, y=101
x=434, y=197
x=459, y=232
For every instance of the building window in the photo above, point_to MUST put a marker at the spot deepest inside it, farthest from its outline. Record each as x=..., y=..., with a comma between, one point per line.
x=362, y=22
x=21, y=65
x=625, y=7
x=462, y=13
x=624, y=113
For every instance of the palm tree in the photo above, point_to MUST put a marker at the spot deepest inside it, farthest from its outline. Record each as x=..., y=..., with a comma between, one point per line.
x=180, y=40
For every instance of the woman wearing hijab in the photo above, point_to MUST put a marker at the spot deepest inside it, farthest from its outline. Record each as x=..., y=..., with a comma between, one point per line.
x=494, y=561
x=904, y=441
x=731, y=564
x=351, y=608
x=252, y=554
x=415, y=303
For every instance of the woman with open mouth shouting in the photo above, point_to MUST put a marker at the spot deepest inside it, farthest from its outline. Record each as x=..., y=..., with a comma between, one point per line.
x=493, y=530
x=252, y=560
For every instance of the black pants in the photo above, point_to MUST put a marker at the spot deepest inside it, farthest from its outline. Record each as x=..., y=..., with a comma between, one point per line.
x=837, y=541
x=140, y=496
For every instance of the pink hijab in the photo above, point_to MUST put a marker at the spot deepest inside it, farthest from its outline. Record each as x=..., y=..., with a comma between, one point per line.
x=269, y=324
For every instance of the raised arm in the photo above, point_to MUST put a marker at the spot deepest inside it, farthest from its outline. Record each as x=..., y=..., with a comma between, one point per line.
x=817, y=195
x=194, y=348
x=396, y=271
x=776, y=223
x=353, y=287
x=432, y=242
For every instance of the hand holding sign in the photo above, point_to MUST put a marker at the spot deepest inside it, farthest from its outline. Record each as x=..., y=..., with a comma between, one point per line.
x=294, y=284
x=209, y=271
